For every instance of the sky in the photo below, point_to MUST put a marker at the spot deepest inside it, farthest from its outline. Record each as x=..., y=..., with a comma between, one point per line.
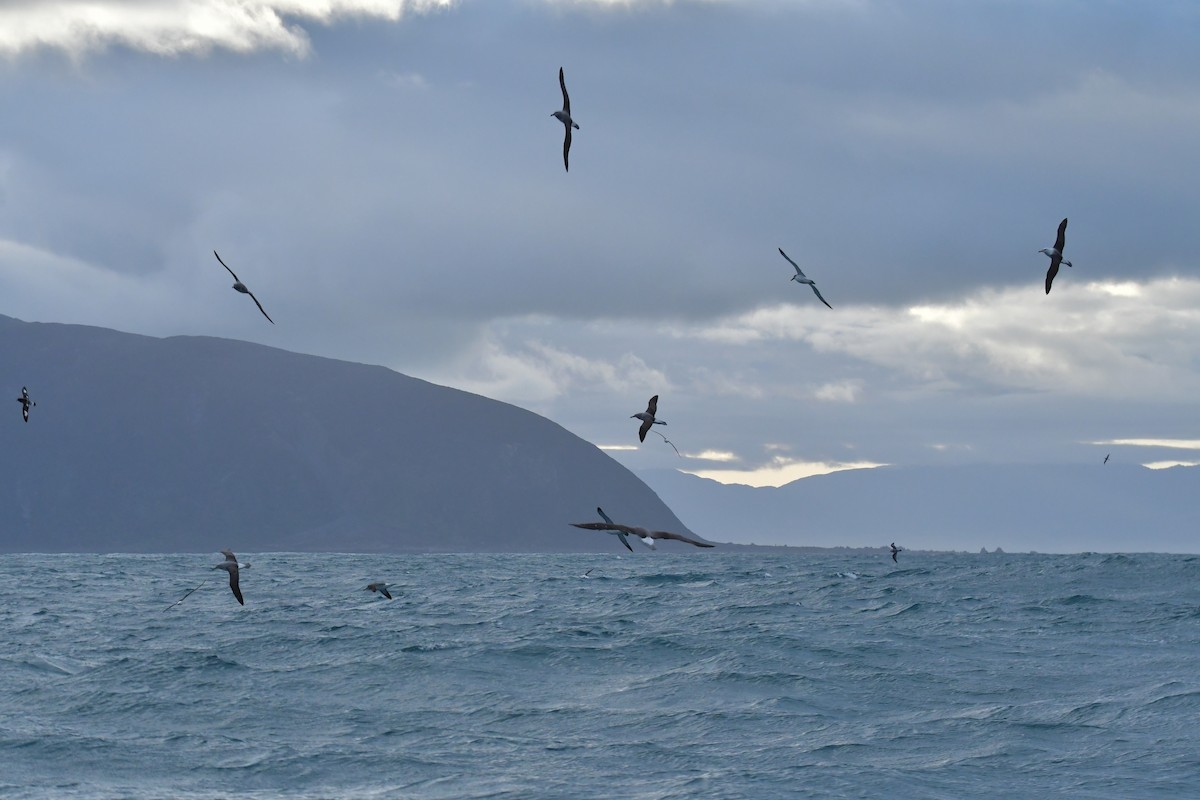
x=387, y=178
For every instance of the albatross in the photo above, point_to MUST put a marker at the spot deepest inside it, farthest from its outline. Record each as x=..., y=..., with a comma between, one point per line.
x=1056, y=254
x=647, y=417
x=894, y=551
x=230, y=565
x=622, y=534
x=564, y=117
x=241, y=287
x=25, y=403
x=382, y=588
x=647, y=536
x=800, y=277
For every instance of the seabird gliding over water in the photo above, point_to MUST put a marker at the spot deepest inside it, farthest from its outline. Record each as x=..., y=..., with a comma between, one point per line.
x=1056, y=254
x=800, y=277
x=230, y=565
x=1106, y=458
x=241, y=287
x=647, y=417
x=25, y=403
x=634, y=530
x=379, y=587
x=894, y=551
x=564, y=117
x=621, y=534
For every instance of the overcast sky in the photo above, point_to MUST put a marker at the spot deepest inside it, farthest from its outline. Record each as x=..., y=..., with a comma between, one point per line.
x=387, y=178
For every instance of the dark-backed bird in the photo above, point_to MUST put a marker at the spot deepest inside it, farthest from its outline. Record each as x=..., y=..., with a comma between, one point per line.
x=230, y=565
x=382, y=588
x=241, y=287
x=25, y=403
x=800, y=277
x=894, y=551
x=647, y=417
x=641, y=533
x=622, y=534
x=564, y=117
x=1056, y=254
x=1106, y=458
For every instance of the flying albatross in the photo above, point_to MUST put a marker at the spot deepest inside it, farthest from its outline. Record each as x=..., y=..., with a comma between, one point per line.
x=800, y=277
x=25, y=403
x=646, y=536
x=241, y=287
x=616, y=530
x=647, y=417
x=230, y=565
x=894, y=551
x=564, y=117
x=382, y=588
x=1056, y=254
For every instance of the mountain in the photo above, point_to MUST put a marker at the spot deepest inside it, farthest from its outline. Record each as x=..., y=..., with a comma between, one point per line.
x=1047, y=508
x=141, y=444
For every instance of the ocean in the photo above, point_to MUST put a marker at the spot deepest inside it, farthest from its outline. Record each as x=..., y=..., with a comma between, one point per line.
x=658, y=675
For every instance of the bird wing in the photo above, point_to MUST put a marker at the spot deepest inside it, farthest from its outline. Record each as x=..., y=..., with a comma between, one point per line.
x=799, y=271
x=260, y=308
x=1052, y=271
x=606, y=517
x=678, y=536
x=226, y=266
x=1061, y=241
x=652, y=406
x=818, y=294
x=24, y=392
x=645, y=427
x=566, y=148
x=621, y=530
x=383, y=591
x=604, y=526
x=233, y=583
x=229, y=556
x=566, y=99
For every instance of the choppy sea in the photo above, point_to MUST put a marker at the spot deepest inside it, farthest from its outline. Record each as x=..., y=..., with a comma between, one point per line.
x=697, y=675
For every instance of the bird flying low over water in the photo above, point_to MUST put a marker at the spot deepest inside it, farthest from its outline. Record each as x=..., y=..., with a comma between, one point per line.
x=241, y=287
x=647, y=417
x=25, y=403
x=382, y=588
x=230, y=565
x=634, y=530
x=1056, y=254
x=1106, y=458
x=622, y=534
x=564, y=117
x=800, y=277
x=894, y=551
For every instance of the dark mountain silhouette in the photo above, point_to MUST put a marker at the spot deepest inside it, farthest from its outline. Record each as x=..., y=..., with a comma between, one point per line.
x=140, y=444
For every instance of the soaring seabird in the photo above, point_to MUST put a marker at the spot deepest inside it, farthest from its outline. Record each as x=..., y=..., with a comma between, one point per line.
x=800, y=277
x=379, y=587
x=230, y=565
x=634, y=530
x=241, y=287
x=647, y=418
x=1106, y=458
x=564, y=117
x=621, y=534
x=229, y=556
x=25, y=403
x=1056, y=254
x=894, y=551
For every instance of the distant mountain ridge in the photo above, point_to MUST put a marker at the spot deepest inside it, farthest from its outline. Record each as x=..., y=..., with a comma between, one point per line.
x=1047, y=508
x=142, y=444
